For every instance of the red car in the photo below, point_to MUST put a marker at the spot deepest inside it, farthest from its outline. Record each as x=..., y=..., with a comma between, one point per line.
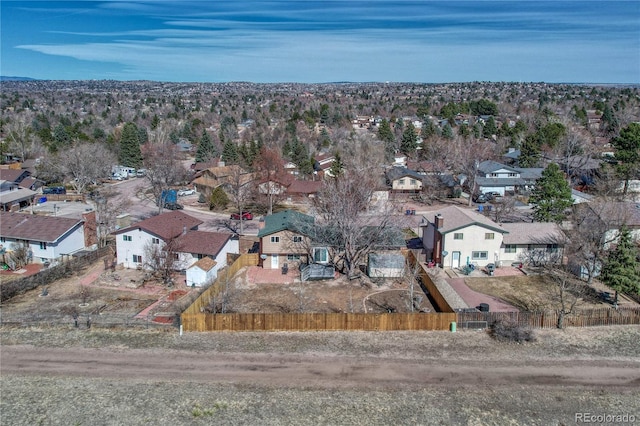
x=245, y=216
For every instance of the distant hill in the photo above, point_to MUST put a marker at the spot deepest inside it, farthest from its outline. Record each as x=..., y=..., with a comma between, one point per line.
x=10, y=78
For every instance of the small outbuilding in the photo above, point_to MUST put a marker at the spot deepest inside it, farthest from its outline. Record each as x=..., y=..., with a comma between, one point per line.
x=386, y=265
x=202, y=272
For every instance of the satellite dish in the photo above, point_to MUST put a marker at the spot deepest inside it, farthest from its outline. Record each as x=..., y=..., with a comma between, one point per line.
x=444, y=253
x=263, y=256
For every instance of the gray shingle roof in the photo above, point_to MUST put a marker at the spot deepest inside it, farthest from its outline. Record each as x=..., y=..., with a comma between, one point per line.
x=455, y=218
x=166, y=226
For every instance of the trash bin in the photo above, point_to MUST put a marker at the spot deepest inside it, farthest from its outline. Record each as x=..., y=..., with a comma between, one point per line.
x=453, y=327
x=484, y=307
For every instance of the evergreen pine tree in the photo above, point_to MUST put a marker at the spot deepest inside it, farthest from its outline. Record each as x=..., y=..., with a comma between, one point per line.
x=551, y=195
x=529, y=152
x=130, y=154
x=230, y=153
x=337, y=167
x=447, y=131
x=409, y=140
x=627, y=153
x=621, y=271
x=206, y=150
x=386, y=135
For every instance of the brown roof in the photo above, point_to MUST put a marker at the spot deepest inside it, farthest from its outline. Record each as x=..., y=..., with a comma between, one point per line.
x=35, y=228
x=206, y=263
x=13, y=175
x=304, y=187
x=166, y=226
x=28, y=182
x=201, y=242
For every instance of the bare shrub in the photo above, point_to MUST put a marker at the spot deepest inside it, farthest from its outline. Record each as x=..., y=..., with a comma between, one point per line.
x=510, y=331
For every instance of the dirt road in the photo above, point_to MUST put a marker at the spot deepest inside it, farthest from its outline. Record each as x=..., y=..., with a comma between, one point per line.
x=305, y=371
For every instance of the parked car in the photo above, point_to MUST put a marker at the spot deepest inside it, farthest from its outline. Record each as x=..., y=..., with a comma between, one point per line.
x=480, y=198
x=245, y=216
x=141, y=172
x=173, y=206
x=54, y=190
x=185, y=192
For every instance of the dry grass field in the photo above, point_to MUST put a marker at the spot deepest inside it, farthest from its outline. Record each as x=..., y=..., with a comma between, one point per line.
x=531, y=292
x=130, y=377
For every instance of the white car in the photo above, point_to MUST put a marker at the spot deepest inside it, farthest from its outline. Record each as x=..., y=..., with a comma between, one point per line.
x=185, y=192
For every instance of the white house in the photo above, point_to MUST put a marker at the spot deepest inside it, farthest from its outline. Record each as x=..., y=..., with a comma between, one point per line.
x=133, y=241
x=48, y=238
x=456, y=237
x=177, y=232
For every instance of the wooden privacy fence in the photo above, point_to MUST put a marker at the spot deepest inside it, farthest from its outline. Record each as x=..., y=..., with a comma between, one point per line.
x=198, y=306
x=583, y=318
x=317, y=322
x=429, y=285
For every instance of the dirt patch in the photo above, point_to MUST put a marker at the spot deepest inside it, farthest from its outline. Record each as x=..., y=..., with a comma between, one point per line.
x=326, y=296
x=92, y=291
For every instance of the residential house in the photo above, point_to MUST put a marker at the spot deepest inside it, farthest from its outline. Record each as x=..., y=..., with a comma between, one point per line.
x=532, y=243
x=496, y=177
x=285, y=238
x=48, y=239
x=456, y=237
x=213, y=177
x=615, y=215
x=323, y=163
x=300, y=190
x=134, y=242
x=193, y=247
x=13, y=197
x=401, y=179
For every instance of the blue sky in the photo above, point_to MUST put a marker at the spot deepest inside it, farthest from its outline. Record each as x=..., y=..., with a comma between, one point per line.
x=323, y=41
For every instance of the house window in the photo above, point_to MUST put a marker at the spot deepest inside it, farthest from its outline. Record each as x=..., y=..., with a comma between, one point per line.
x=401, y=182
x=513, y=175
x=479, y=255
x=176, y=256
x=494, y=175
x=127, y=238
x=413, y=182
x=458, y=236
x=43, y=245
x=275, y=239
x=155, y=240
x=509, y=248
x=199, y=256
x=297, y=239
x=292, y=257
x=489, y=236
x=3, y=240
x=320, y=255
x=137, y=259
x=552, y=248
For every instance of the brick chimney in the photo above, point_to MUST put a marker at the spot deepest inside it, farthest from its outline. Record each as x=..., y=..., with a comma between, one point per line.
x=439, y=222
x=90, y=228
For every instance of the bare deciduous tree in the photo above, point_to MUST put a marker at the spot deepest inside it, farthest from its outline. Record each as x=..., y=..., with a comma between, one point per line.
x=347, y=225
x=589, y=237
x=569, y=293
x=163, y=258
x=240, y=188
x=84, y=164
x=164, y=167
x=108, y=208
x=21, y=138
